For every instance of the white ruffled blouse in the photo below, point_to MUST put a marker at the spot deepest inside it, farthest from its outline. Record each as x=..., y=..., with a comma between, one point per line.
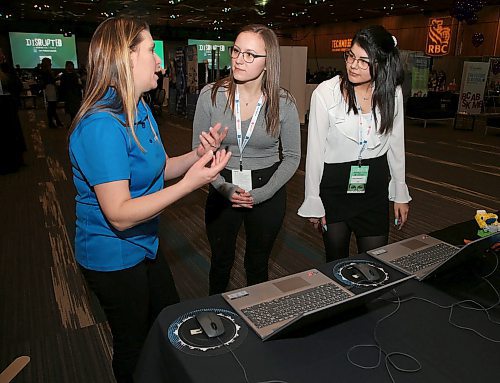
x=333, y=136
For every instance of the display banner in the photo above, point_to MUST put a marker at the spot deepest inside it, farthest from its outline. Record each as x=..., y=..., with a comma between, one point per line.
x=420, y=76
x=192, y=69
x=159, y=50
x=493, y=85
x=180, y=77
x=474, y=77
x=205, y=48
x=28, y=49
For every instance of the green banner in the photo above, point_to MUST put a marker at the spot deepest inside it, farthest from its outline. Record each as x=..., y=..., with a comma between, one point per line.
x=420, y=76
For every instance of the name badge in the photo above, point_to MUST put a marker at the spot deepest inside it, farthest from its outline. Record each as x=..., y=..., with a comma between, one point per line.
x=357, y=179
x=243, y=178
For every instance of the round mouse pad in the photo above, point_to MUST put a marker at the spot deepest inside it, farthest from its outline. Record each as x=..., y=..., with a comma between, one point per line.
x=185, y=333
x=348, y=273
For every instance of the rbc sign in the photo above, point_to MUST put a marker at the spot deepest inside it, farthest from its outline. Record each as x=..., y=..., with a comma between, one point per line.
x=438, y=36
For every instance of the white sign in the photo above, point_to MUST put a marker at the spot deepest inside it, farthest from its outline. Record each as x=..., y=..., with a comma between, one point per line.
x=474, y=77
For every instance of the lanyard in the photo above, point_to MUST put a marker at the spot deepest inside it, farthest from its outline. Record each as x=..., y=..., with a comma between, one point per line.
x=242, y=144
x=362, y=139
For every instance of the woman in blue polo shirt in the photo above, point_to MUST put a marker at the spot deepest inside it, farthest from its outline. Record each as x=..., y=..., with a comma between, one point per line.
x=119, y=168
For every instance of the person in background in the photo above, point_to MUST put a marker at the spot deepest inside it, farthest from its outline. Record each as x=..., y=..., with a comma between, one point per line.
x=119, y=168
x=251, y=189
x=82, y=73
x=154, y=95
x=355, y=144
x=13, y=143
x=19, y=71
x=48, y=84
x=11, y=82
x=70, y=89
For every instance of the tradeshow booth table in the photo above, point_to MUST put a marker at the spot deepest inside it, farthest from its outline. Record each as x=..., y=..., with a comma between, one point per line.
x=436, y=106
x=419, y=325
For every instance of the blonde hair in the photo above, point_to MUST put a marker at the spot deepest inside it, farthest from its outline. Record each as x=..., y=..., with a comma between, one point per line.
x=109, y=65
x=270, y=80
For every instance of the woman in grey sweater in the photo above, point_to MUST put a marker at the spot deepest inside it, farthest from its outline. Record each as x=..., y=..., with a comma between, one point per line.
x=250, y=190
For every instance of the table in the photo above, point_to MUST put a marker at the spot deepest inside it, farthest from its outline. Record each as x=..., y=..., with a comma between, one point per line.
x=319, y=353
x=492, y=120
x=436, y=106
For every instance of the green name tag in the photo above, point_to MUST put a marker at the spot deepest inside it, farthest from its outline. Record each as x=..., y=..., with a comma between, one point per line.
x=357, y=179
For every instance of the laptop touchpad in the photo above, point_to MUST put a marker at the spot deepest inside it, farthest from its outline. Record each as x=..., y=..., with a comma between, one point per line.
x=413, y=244
x=291, y=284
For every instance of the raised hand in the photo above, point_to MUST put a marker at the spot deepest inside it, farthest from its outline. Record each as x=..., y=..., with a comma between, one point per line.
x=201, y=173
x=211, y=140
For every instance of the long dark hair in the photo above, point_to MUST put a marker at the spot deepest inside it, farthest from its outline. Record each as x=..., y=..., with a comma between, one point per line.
x=386, y=73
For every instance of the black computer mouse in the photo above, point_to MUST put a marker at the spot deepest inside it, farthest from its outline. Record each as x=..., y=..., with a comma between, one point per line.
x=210, y=323
x=369, y=272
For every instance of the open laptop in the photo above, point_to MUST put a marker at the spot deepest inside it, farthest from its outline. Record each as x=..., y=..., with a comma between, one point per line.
x=423, y=255
x=280, y=306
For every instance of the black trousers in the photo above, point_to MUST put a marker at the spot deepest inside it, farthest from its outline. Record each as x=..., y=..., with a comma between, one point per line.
x=262, y=225
x=52, y=114
x=132, y=299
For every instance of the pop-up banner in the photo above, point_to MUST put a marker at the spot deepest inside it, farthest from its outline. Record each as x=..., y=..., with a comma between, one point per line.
x=474, y=77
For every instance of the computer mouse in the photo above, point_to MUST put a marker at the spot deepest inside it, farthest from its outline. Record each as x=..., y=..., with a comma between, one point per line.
x=210, y=323
x=369, y=272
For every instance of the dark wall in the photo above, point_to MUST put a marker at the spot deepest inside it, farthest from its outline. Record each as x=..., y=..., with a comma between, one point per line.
x=411, y=32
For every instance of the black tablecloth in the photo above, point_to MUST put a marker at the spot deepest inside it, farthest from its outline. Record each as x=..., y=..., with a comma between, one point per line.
x=319, y=353
x=435, y=106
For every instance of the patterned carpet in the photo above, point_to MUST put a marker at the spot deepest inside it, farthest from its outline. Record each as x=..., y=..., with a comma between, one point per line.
x=46, y=310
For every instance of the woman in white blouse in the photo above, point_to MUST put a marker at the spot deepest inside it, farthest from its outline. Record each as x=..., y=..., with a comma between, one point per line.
x=355, y=144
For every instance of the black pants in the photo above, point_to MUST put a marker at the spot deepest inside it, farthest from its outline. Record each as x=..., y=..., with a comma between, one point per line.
x=52, y=114
x=262, y=225
x=132, y=299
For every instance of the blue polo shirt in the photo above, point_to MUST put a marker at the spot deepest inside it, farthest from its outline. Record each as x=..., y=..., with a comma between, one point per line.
x=103, y=150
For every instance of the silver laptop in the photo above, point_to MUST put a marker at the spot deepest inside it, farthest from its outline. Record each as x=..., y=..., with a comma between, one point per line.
x=423, y=255
x=277, y=307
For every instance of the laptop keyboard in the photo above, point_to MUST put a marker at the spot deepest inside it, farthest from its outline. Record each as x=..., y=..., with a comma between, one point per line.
x=290, y=306
x=422, y=259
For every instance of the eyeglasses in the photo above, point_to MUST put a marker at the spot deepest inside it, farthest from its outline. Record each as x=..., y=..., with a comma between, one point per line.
x=350, y=58
x=248, y=57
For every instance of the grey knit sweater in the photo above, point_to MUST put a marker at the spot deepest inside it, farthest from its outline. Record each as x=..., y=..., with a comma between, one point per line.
x=262, y=150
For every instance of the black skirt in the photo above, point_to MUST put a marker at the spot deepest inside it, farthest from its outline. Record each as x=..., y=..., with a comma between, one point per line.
x=368, y=213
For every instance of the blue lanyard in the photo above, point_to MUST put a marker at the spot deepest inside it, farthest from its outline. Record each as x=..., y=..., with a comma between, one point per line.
x=242, y=144
x=362, y=139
